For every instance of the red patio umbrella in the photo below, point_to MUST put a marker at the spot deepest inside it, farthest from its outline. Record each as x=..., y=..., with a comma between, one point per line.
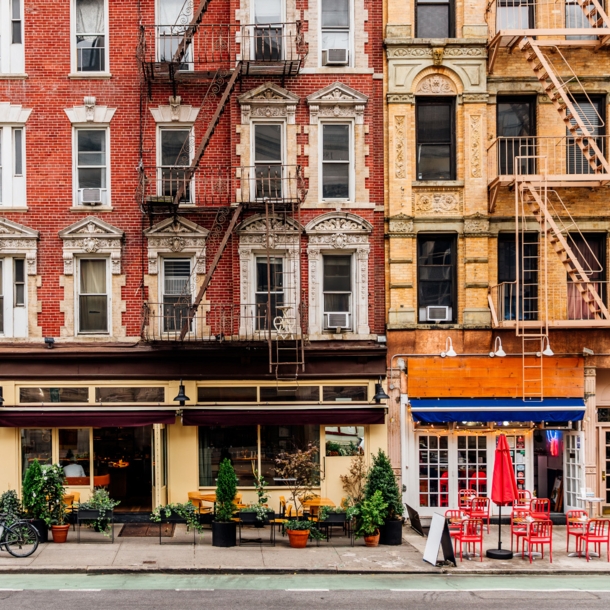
x=503, y=491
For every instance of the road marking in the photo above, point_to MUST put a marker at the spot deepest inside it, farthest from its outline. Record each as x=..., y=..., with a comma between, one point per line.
x=305, y=590
x=468, y=590
x=3, y=590
x=193, y=589
x=79, y=590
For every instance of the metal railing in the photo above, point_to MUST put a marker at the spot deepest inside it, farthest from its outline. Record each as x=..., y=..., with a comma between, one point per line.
x=509, y=157
x=222, y=322
x=565, y=304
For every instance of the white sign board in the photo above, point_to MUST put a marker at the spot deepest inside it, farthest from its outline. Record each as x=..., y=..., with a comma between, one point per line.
x=435, y=535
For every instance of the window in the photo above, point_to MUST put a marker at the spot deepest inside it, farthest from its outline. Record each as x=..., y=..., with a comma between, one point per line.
x=576, y=18
x=36, y=444
x=472, y=463
x=93, y=296
x=175, y=158
x=173, y=19
x=516, y=123
x=590, y=251
x=13, y=314
x=528, y=276
x=590, y=109
x=269, y=297
x=335, y=32
x=435, y=139
x=52, y=395
x=16, y=22
x=344, y=393
x=514, y=15
x=268, y=33
x=90, y=36
x=293, y=393
x=336, y=158
x=268, y=160
x=433, y=470
x=434, y=19
x=91, y=167
x=12, y=166
x=106, y=394
x=337, y=289
x=436, y=268
x=176, y=292
x=226, y=394
x=75, y=455
x=344, y=440
x=12, y=56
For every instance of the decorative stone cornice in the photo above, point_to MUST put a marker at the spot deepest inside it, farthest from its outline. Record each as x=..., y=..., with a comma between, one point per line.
x=175, y=112
x=476, y=224
x=268, y=101
x=401, y=223
x=19, y=239
x=14, y=113
x=337, y=101
x=90, y=112
x=284, y=233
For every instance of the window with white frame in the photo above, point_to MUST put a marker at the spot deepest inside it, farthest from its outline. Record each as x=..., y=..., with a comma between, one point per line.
x=336, y=161
x=91, y=167
x=93, y=296
x=13, y=312
x=175, y=153
x=176, y=295
x=336, y=23
x=90, y=35
x=173, y=19
x=12, y=166
x=268, y=160
x=12, y=57
x=269, y=297
x=337, y=289
x=268, y=30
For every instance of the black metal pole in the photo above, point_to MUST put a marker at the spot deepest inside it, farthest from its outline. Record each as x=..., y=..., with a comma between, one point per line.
x=500, y=527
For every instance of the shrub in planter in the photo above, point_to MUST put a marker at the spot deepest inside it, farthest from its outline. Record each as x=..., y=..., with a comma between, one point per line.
x=10, y=507
x=54, y=489
x=370, y=515
x=224, y=530
x=34, y=500
x=177, y=513
x=300, y=531
x=97, y=511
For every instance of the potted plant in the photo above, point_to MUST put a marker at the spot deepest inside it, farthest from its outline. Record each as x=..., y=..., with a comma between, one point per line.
x=258, y=514
x=381, y=478
x=300, y=531
x=370, y=516
x=97, y=511
x=224, y=529
x=353, y=483
x=54, y=489
x=177, y=513
x=34, y=500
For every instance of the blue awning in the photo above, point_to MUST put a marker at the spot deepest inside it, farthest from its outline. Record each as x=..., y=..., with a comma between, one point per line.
x=445, y=410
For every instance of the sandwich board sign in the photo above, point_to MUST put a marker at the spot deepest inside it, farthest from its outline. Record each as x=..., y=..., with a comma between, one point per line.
x=439, y=537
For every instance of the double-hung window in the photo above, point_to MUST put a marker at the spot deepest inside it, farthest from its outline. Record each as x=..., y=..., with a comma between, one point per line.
x=12, y=166
x=336, y=32
x=576, y=18
x=268, y=160
x=13, y=314
x=176, y=293
x=93, y=296
x=435, y=138
x=336, y=161
x=337, y=289
x=434, y=19
x=516, y=129
x=590, y=110
x=173, y=18
x=12, y=57
x=268, y=30
x=90, y=32
x=92, y=166
x=269, y=297
x=175, y=157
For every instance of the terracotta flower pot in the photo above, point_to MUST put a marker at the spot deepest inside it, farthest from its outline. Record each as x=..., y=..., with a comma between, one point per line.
x=60, y=532
x=298, y=538
x=372, y=540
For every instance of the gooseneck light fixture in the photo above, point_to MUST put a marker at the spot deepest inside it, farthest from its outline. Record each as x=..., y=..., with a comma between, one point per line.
x=449, y=351
x=497, y=350
x=547, y=351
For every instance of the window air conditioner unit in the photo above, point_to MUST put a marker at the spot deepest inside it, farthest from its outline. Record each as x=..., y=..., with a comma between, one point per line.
x=91, y=196
x=435, y=313
x=337, y=319
x=335, y=57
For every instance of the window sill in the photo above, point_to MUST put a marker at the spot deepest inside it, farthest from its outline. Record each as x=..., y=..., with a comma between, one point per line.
x=13, y=76
x=15, y=208
x=429, y=183
x=89, y=75
x=91, y=208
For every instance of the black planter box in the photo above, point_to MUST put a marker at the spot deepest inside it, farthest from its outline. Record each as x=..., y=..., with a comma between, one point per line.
x=248, y=518
x=41, y=528
x=224, y=534
x=91, y=514
x=334, y=519
x=391, y=533
x=172, y=518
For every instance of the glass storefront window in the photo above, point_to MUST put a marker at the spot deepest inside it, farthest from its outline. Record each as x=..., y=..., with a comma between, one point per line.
x=35, y=445
x=106, y=394
x=53, y=395
x=344, y=393
x=344, y=440
x=472, y=463
x=238, y=443
x=433, y=470
x=226, y=394
x=305, y=393
x=74, y=455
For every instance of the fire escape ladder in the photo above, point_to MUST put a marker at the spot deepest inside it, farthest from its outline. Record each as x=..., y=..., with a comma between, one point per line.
x=597, y=17
x=205, y=140
x=563, y=100
x=190, y=31
x=557, y=238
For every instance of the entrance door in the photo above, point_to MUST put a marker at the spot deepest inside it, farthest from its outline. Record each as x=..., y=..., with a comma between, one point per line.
x=604, y=466
x=159, y=465
x=573, y=469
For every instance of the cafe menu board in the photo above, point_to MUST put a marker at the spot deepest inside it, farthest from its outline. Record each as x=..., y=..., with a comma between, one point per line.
x=516, y=443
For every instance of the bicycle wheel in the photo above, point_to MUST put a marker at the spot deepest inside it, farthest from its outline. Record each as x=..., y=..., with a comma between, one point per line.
x=21, y=539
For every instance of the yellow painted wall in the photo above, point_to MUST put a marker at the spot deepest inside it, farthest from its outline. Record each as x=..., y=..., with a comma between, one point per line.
x=9, y=459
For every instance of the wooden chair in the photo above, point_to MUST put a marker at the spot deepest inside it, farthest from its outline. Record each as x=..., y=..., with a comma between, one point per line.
x=455, y=521
x=518, y=525
x=471, y=534
x=196, y=501
x=102, y=480
x=479, y=509
x=540, y=509
x=597, y=532
x=576, y=525
x=539, y=533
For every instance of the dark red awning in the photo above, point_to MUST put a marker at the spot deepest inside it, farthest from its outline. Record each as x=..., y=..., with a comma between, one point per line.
x=283, y=416
x=37, y=418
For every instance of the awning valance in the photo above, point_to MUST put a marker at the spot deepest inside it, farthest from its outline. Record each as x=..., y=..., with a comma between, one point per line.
x=447, y=410
x=281, y=416
x=95, y=418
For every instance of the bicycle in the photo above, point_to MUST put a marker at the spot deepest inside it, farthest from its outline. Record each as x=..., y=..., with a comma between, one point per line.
x=20, y=539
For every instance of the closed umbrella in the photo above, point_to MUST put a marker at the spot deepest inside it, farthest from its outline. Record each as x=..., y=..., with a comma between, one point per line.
x=503, y=491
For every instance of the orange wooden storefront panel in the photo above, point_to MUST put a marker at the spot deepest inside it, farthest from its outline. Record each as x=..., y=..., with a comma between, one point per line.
x=437, y=377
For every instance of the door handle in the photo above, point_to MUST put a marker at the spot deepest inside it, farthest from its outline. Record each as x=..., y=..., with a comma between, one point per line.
x=603, y=475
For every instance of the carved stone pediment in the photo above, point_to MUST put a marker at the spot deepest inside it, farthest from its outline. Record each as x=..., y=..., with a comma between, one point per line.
x=436, y=84
x=91, y=235
x=90, y=112
x=13, y=113
x=477, y=223
x=337, y=101
x=268, y=101
x=283, y=233
x=19, y=239
x=342, y=222
x=401, y=223
x=176, y=236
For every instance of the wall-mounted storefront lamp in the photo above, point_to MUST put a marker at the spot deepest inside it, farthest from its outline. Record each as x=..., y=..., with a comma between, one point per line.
x=497, y=351
x=379, y=393
x=449, y=351
x=182, y=397
x=547, y=351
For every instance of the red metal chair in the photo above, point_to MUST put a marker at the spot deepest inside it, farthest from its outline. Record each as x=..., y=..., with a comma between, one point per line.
x=576, y=525
x=465, y=497
x=518, y=525
x=524, y=499
x=479, y=509
x=471, y=533
x=539, y=533
x=597, y=532
x=540, y=509
x=455, y=521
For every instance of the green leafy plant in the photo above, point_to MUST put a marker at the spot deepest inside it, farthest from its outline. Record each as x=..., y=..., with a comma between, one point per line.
x=325, y=511
x=262, y=512
x=314, y=532
x=54, y=479
x=10, y=507
x=102, y=502
x=34, y=498
x=370, y=515
x=186, y=511
x=353, y=483
x=381, y=478
x=226, y=488
x=300, y=472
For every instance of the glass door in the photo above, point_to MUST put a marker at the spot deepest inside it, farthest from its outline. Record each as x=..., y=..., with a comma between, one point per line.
x=573, y=469
x=604, y=467
x=159, y=465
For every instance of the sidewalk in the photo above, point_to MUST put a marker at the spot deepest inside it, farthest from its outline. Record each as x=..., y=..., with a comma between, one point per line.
x=96, y=554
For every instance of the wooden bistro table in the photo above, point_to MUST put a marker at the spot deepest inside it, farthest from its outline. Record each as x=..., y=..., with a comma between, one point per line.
x=316, y=503
x=211, y=498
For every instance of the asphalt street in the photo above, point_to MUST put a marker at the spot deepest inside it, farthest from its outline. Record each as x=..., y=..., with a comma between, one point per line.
x=354, y=592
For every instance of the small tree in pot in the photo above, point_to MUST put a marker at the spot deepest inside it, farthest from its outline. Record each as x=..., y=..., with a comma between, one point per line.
x=370, y=515
x=224, y=529
x=54, y=489
x=34, y=500
x=381, y=478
